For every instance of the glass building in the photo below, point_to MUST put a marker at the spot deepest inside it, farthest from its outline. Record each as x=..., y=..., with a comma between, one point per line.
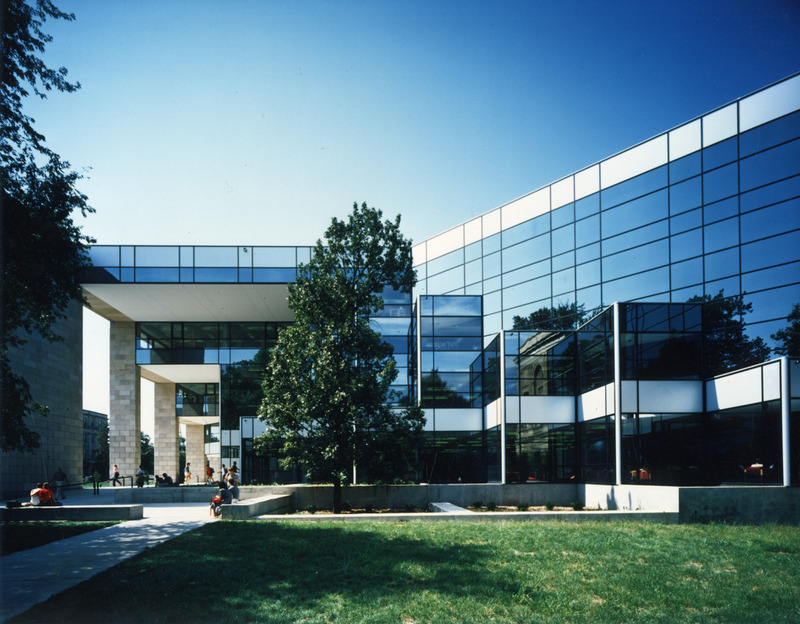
x=668, y=273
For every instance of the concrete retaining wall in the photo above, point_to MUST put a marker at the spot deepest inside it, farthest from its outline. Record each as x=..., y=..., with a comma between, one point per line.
x=244, y=509
x=631, y=497
x=745, y=505
x=75, y=513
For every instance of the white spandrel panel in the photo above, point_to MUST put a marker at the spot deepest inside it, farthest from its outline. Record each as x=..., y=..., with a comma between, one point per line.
x=473, y=231
x=734, y=390
x=685, y=140
x=769, y=104
x=720, y=125
x=587, y=182
x=525, y=208
x=669, y=397
x=635, y=161
x=491, y=223
x=592, y=404
x=420, y=253
x=493, y=414
x=445, y=242
x=772, y=381
x=466, y=419
x=512, y=411
x=562, y=192
x=547, y=409
x=429, y=420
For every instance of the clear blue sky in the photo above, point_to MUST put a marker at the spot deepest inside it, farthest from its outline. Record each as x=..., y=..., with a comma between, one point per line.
x=255, y=122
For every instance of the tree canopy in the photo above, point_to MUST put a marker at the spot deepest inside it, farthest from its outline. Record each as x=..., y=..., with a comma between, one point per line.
x=789, y=337
x=43, y=250
x=327, y=381
x=564, y=316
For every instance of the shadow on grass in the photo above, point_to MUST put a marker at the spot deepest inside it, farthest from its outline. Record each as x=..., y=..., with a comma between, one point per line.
x=274, y=572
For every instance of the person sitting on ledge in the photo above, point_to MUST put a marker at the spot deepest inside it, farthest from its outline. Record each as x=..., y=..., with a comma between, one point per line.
x=164, y=480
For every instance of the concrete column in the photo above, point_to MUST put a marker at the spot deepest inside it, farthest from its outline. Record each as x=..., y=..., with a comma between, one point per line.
x=195, y=452
x=166, y=440
x=124, y=418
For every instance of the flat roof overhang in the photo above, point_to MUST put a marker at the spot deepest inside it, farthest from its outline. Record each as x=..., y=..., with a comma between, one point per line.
x=189, y=302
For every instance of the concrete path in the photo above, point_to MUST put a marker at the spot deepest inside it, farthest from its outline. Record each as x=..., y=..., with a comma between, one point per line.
x=33, y=575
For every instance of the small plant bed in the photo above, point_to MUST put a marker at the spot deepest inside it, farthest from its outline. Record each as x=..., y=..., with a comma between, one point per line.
x=17, y=536
x=491, y=507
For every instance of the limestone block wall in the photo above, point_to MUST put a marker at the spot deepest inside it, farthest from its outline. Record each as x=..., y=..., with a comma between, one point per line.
x=195, y=452
x=54, y=373
x=166, y=439
x=124, y=419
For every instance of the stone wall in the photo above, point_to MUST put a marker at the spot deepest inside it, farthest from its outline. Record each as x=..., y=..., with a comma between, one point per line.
x=54, y=373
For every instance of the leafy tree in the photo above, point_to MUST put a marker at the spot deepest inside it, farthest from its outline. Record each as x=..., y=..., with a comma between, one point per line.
x=790, y=335
x=563, y=317
x=727, y=346
x=148, y=453
x=102, y=458
x=43, y=250
x=328, y=378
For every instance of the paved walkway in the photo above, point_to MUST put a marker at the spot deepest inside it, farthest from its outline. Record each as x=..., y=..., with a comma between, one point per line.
x=32, y=576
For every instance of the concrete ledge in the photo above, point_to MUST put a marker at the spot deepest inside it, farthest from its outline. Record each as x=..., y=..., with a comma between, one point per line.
x=75, y=513
x=244, y=509
x=448, y=508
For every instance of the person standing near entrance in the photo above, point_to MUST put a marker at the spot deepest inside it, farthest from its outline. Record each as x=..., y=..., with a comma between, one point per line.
x=61, y=481
x=115, y=472
x=187, y=474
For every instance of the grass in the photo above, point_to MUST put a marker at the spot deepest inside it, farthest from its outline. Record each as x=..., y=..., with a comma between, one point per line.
x=16, y=536
x=413, y=572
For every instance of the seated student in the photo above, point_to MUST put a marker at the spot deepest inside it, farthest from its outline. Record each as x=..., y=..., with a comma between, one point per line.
x=223, y=498
x=35, y=500
x=164, y=480
x=46, y=497
x=234, y=490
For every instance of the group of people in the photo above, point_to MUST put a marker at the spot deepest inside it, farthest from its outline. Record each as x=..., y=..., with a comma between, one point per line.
x=43, y=496
x=228, y=489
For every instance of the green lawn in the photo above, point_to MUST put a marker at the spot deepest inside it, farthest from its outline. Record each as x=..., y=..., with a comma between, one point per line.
x=16, y=536
x=411, y=572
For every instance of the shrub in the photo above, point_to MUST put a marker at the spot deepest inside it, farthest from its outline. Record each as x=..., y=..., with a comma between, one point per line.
x=491, y=506
x=369, y=508
x=311, y=509
x=477, y=504
x=522, y=507
x=577, y=506
x=549, y=506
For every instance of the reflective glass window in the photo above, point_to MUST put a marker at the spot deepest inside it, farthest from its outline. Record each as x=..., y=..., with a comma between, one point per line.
x=491, y=265
x=770, y=251
x=587, y=206
x=771, y=278
x=770, y=135
x=563, y=240
x=685, y=196
x=526, y=230
x=216, y=256
x=720, y=183
x=525, y=293
x=722, y=264
x=104, y=255
x=531, y=271
x=720, y=154
x=686, y=221
x=473, y=271
x=563, y=281
x=590, y=297
x=721, y=210
x=457, y=326
x=274, y=276
x=564, y=261
x=771, y=220
x=635, y=260
x=187, y=256
x=147, y=275
x=126, y=253
x=590, y=252
x=686, y=273
x=641, y=236
x=587, y=274
x=528, y=252
x=456, y=306
x=492, y=284
x=491, y=244
x=451, y=360
x=562, y=216
x=445, y=262
x=448, y=281
x=587, y=231
x=147, y=256
x=274, y=257
x=683, y=168
x=639, y=286
x=721, y=235
x=770, y=166
x=493, y=302
x=780, y=191
x=390, y=326
x=642, y=211
x=640, y=185
x=473, y=251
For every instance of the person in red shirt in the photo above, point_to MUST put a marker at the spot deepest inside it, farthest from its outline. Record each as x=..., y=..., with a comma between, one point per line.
x=43, y=494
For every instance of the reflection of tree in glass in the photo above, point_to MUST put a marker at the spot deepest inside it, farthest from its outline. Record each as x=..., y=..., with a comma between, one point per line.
x=563, y=316
x=726, y=344
x=241, y=388
x=790, y=335
x=436, y=393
